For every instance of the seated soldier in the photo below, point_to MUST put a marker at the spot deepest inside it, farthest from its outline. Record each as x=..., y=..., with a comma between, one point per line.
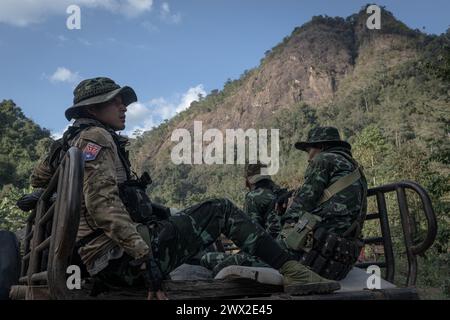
x=259, y=205
x=120, y=251
x=328, y=210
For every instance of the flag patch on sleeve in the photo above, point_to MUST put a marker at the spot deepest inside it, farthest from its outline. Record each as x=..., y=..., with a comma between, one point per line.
x=91, y=151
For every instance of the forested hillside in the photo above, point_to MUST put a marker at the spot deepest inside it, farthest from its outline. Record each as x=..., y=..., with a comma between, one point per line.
x=22, y=142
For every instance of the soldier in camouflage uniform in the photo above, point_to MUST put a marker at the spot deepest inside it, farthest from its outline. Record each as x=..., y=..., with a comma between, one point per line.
x=330, y=159
x=120, y=251
x=259, y=205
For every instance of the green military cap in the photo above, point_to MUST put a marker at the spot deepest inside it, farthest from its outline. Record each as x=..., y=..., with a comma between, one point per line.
x=320, y=135
x=253, y=172
x=98, y=90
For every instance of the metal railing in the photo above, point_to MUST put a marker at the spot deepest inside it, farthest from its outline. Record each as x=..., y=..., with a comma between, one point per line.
x=52, y=228
x=408, y=227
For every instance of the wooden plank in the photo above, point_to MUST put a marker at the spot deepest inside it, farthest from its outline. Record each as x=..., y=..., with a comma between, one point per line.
x=223, y=289
x=37, y=293
x=18, y=292
x=189, y=290
x=409, y=293
x=214, y=289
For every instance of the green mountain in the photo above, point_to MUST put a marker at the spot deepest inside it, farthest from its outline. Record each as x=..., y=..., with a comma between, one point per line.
x=389, y=84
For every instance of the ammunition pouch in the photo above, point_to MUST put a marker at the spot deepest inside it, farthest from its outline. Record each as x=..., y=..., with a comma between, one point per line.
x=136, y=202
x=299, y=236
x=331, y=256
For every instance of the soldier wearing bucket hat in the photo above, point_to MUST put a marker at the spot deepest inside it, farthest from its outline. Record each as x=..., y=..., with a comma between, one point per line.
x=122, y=240
x=322, y=136
x=334, y=195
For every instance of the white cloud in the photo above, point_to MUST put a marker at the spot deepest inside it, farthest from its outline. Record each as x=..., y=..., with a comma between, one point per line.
x=25, y=12
x=139, y=118
x=190, y=96
x=136, y=112
x=63, y=74
x=145, y=116
x=58, y=135
x=167, y=16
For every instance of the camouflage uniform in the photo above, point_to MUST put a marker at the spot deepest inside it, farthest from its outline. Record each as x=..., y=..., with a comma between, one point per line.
x=259, y=205
x=339, y=212
x=101, y=206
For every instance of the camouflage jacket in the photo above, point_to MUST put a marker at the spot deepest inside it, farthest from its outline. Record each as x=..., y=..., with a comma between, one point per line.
x=339, y=212
x=260, y=206
x=101, y=208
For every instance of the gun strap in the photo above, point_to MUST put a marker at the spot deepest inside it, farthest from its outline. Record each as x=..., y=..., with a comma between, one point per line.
x=340, y=184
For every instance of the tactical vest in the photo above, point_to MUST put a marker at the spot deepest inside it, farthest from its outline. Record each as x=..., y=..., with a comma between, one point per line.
x=330, y=255
x=132, y=191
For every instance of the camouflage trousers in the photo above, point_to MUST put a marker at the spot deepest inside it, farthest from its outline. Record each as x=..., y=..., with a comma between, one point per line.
x=216, y=261
x=178, y=239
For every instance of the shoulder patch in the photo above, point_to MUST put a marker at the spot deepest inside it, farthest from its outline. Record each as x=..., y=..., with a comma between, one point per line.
x=97, y=136
x=91, y=151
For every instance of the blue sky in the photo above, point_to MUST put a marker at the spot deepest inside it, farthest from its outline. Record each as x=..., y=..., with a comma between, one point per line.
x=168, y=51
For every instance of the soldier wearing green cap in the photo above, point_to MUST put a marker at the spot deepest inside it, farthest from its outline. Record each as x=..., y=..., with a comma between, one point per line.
x=115, y=246
x=332, y=201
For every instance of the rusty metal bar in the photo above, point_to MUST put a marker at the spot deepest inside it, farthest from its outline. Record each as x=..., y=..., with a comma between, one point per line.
x=386, y=234
x=29, y=235
x=364, y=265
x=48, y=215
x=372, y=216
x=37, y=239
x=427, y=209
x=23, y=280
x=43, y=245
x=373, y=240
x=65, y=223
x=39, y=277
x=37, y=245
x=407, y=236
x=29, y=232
